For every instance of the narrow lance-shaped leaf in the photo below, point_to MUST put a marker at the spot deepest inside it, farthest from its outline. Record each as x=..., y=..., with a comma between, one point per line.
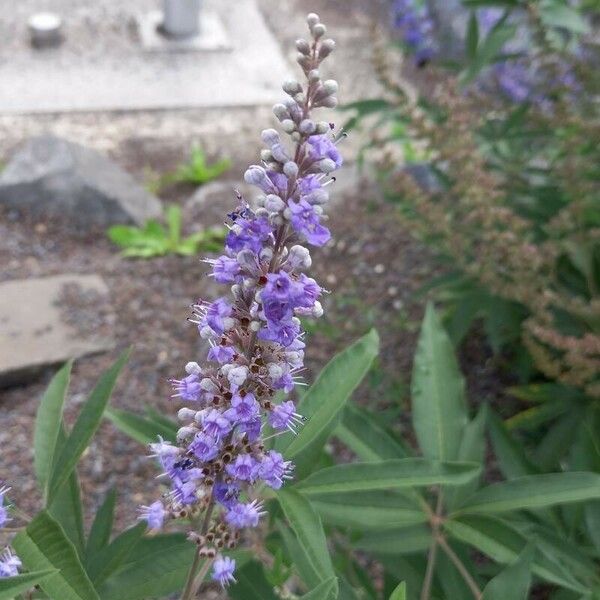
x=514, y=581
x=86, y=425
x=327, y=590
x=306, y=524
x=401, y=473
x=325, y=399
x=252, y=584
x=534, y=491
x=10, y=587
x=438, y=403
x=48, y=422
x=102, y=526
x=399, y=593
x=42, y=545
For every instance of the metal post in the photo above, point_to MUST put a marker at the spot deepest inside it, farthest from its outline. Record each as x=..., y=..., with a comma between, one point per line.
x=181, y=18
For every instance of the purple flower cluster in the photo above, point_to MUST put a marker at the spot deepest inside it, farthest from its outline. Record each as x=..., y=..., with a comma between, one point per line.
x=256, y=342
x=412, y=20
x=9, y=562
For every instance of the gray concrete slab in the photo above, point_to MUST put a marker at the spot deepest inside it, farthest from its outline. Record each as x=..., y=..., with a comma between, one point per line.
x=46, y=321
x=102, y=64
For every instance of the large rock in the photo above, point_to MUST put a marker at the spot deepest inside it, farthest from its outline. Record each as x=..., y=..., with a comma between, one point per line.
x=52, y=177
x=46, y=321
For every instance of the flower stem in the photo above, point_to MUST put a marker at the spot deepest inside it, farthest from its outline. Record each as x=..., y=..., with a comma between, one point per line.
x=189, y=584
x=460, y=567
x=431, y=558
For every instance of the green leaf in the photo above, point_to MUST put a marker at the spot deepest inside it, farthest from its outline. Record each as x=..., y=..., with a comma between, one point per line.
x=11, y=586
x=66, y=507
x=472, y=449
x=472, y=39
x=173, y=218
x=325, y=399
x=306, y=524
x=511, y=456
x=438, y=403
x=86, y=425
x=123, y=235
x=514, y=581
x=364, y=510
x=399, y=540
x=400, y=592
x=366, y=437
x=298, y=558
x=42, y=545
x=157, y=567
x=327, y=590
x=101, y=527
x=534, y=491
x=110, y=558
x=144, y=430
x=503, y=543
x=251, y=584
x=399, y=473
x=557, y=13
x=48, y=422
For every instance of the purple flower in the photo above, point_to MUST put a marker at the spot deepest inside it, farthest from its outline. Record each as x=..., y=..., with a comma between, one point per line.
x=243, y=408
x=309, y=184
x=243, y=468
x=225, y=269
x=273, y=469
x=204, y=447
x=9, y=564
x=153, y=514
x=321, y=146
x=284, y=416
x=244, y=515
x=415, y=27
x=223, y=569
x=284, y=332
x=184, y=492
x=248, y=234
x=305, y=221
x=221, y=354
x=285, y=383
x=251, y=429
x=216, y=313
x=4, y=518
x=226, y=494
x=187, y=388
x=215, y=424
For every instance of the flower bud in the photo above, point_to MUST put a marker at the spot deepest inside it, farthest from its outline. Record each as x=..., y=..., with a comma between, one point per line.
x=274, y=203
x=322, y=127
x=318, y=196
x=208, y=385
x=326, y=48
x=303, y=46
x=330, y=86
x=296, y=137
x=291, y=87
x=307, y=127
x=288, y=125
x=299, y=257
x=314, y=76
x=270, y=136
x=275, y=371
x=319, y=30
x=255, y=175
x=300, y=98
x=312, y=19
x=185, y=432
x=280, y=111
x=290, y=169
x=317, y=309
x=247, y=260
x=279, y=153
x=329, y=102
x=193, y=368
x=326, y=165
x=265, y=154
x=186, y=414
x=255, y=325
x=237, y=375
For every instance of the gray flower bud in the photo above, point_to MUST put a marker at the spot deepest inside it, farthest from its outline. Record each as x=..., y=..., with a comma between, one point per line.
x=329, y=102
x=265, y=154
x=291, y=87
x=279, y=152
x=270, y=136
x=326, y=165
x=246, y=259
x=274, y=203
x=330, y=86
x=307, y=127
x=314, y=76
x=322, y=127
x=317, y=197
x=299, y=257
x=185, y=432
x=261, y=212
x=255, y=175
x=300, y=98
x=290, y=169
x=303, y=46
x=208, y=385
x=296, y=137
x=288, y=125
x=326, y=48
x=280, y=111
x=319, y=30
x=186, y=414
x=312, y=19
x=193, y=368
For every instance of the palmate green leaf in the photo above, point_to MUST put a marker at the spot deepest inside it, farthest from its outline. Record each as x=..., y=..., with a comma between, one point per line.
x=251, y=584
x=43, y=545
x=305, y=522
x=48, y=423
x=399, y=593
x=11, y=586
x=101, y=527
x=366, y=437
x=326, y=590
x=514, y=581
x=157, y=567
x=86, y=425
x=144, y=430
x=439, y=410
x=325, y=399
x=364, y=510
x=503, y=543
x=399, y=473
x=534, y=491
x=397, y=540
